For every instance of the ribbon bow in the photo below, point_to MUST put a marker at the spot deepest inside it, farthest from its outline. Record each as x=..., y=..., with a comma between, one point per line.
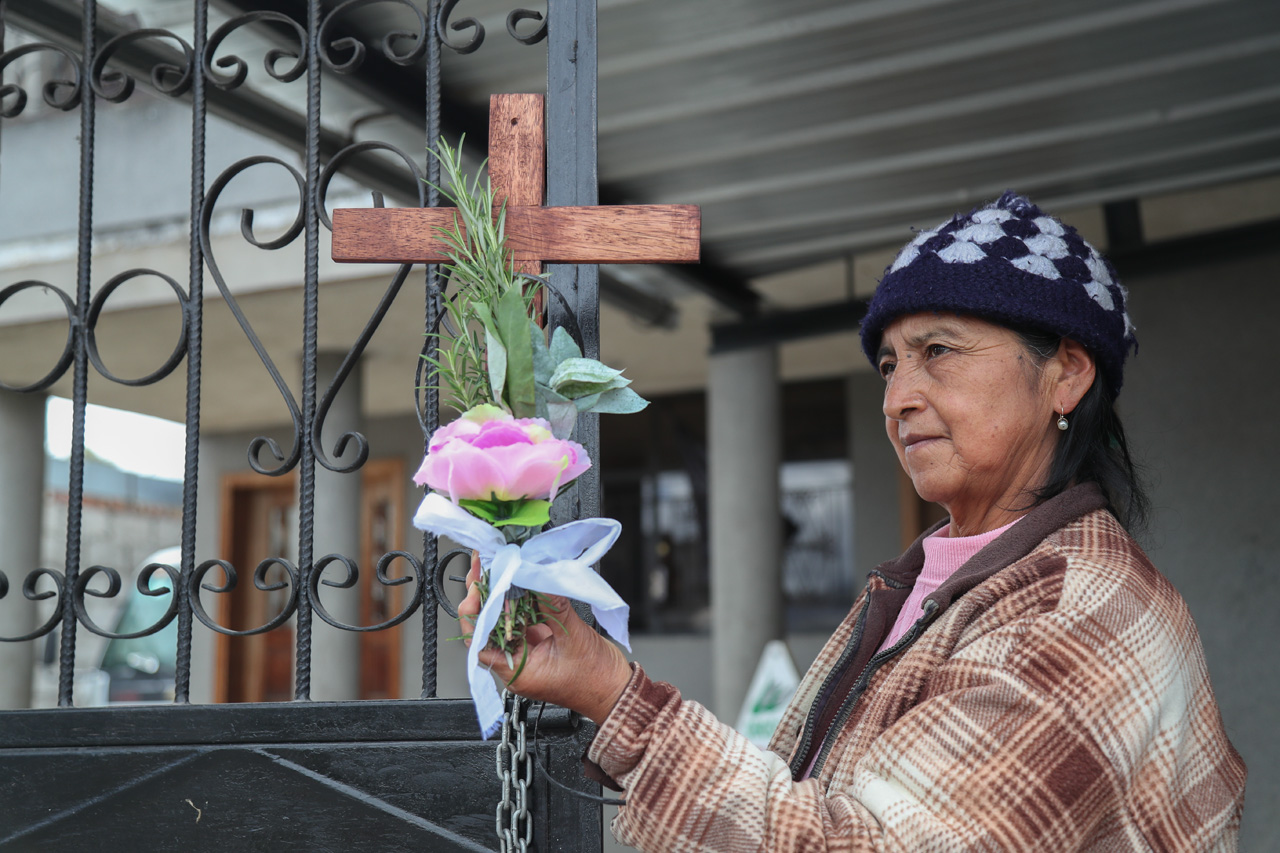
x=556, y=562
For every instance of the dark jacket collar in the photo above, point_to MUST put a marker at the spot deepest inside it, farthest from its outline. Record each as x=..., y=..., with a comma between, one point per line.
x=1012, y=545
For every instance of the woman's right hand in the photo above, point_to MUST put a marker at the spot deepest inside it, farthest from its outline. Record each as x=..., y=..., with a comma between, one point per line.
x=572, y=666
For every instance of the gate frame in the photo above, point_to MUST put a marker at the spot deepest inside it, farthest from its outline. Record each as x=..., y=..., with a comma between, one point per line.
x=83, y=751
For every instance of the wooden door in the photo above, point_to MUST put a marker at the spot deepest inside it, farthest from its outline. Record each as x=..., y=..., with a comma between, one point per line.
x=382, y=523
x=257, y=523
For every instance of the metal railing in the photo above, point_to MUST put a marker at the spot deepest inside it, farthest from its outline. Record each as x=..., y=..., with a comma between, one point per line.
x=318, y=44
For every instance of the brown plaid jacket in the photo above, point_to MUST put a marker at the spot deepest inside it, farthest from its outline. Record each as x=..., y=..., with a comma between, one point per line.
x=1054, y=698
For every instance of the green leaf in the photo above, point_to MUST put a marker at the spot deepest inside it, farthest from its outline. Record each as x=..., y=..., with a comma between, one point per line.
x=496, y=360
x=543, y=366
x=583, y=370
x=563, y=346
x=528, y=514
x=619, y=401
x=513, y=326
x=523, y=513
x=544, y=396
x=584, y=404
x=563, y=418
x=552, y=395
x=580, y=377
x=482, y=311
x=488, y=510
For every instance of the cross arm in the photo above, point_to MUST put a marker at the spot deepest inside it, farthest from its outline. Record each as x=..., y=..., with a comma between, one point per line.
x=599, y=234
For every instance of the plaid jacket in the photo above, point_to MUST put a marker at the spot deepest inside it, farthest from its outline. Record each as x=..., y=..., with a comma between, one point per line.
x=1054, y=697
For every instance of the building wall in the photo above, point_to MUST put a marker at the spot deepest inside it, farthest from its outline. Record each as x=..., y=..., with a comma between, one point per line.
x=1201, y=405
x=125, y=520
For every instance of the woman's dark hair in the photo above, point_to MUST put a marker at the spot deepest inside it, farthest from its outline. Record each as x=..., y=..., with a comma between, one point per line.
x=1094, y=448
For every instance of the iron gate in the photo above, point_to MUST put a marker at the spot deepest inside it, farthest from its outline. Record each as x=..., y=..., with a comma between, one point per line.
x=303, y=775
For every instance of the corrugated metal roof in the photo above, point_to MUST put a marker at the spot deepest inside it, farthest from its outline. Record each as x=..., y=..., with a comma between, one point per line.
x=815, y=128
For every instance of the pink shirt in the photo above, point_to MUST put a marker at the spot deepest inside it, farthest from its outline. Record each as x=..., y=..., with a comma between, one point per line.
x=943, y=555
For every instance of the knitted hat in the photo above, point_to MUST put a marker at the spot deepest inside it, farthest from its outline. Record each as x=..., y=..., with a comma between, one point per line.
x=1010, y=263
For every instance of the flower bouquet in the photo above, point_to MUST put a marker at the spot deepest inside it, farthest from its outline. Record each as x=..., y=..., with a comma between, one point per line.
x=495, y=470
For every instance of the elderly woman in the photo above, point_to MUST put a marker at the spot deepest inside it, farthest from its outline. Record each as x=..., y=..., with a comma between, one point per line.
x=1022, y=677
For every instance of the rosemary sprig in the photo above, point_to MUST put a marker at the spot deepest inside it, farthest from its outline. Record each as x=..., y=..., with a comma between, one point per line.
x=481, y=270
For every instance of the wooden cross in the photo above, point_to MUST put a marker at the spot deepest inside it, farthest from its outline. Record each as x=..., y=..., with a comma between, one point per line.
x=619, y=234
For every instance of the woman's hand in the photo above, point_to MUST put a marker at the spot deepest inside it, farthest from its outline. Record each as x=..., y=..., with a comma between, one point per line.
x=573, y=666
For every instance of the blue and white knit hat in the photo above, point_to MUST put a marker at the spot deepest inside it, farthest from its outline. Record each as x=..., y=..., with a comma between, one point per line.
x=1010, y=263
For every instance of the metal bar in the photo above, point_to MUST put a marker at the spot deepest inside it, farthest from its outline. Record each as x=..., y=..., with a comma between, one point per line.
x=80, y=387
x=4, y=13
x=195, y=328
x=310, y=325
x=1196, y=250
x=430, y=546
x=782, y=326
x=1123, y=221
x=572, y=179
x=253, y=723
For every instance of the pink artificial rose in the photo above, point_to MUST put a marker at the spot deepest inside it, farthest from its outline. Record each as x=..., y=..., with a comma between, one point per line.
x=487, y=454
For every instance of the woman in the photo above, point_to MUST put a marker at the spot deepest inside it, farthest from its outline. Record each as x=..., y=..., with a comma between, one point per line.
x=1022, y=677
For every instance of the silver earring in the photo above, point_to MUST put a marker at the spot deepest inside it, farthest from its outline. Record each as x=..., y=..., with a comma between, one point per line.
x=1062, y=422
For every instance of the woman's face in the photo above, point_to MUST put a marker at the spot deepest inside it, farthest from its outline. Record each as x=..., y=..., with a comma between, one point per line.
x=971, y=415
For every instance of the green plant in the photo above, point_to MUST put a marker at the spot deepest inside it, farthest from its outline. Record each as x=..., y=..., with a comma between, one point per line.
x=472, y=364
x=495, y=351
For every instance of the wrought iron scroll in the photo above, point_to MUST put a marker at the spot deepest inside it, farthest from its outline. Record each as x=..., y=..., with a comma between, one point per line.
x=230, y=580
x=477, y=33
x=419, y=39
x=93, y=76
x=113, y=589
x=240, y=69
x=283, y=463
x=322, y=42
x=166, y=78
x=384, y=305
x=60, y=94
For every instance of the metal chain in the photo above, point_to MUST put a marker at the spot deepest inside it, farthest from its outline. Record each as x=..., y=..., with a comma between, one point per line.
x=514, y=821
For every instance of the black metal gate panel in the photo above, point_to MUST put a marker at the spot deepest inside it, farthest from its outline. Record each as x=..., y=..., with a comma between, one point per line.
x=370, y=776
x=302, y=775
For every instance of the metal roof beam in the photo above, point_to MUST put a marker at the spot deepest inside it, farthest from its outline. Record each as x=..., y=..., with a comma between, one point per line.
x=908, y=208
x=987, y=147
x=1135, y=258
x=770, y=32
x=931, y=57
x=937, y=112
x=783, y=326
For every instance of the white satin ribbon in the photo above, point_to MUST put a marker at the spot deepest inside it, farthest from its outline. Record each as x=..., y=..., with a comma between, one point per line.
x=555, y=562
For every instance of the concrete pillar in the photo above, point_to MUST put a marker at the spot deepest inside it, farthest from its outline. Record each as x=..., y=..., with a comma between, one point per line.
x=744, y=443
x=335, y=654
x=877, y=522
x=21, y=510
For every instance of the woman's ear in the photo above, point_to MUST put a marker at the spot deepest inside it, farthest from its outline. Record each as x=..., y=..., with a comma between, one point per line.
x=1076, y=373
